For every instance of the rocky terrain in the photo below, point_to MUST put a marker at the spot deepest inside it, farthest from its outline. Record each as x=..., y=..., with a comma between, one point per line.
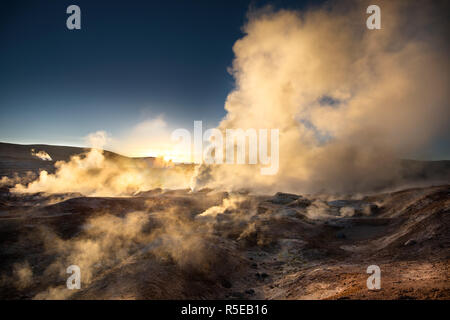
x=209, y=244
x=18, y=160
x=178, y=244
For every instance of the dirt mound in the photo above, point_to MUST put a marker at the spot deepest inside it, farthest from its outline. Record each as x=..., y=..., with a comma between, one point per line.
x=195, y=245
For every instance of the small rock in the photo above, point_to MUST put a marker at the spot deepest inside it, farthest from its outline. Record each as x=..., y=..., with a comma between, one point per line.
x=250, y=292
x=284, y=198
x=410, y=242
x=301, y=203
x=341, y=235
x=262, y=210
x=262, y=275
x=226, y=284
x=238, y=295
x=287, y=213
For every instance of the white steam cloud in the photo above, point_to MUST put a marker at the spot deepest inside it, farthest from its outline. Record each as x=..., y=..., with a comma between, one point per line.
x=348, y=101
x=95, y=174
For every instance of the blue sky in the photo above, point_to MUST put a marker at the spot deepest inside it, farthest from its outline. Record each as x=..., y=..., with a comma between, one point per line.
x=131, y=61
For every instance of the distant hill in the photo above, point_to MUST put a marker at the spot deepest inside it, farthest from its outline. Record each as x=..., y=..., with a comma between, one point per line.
x=18, y=158
x=23, y=151
x=426, y=172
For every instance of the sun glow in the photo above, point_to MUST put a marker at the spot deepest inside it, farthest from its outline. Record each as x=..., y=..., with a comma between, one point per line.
x=169, y=155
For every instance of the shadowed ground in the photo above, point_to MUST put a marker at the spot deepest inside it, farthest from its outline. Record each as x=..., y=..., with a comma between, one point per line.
x=264, y=247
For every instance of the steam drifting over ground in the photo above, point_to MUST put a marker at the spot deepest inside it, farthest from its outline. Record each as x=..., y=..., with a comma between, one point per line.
x=348, y=102
x=92, y=173
x=197, y=245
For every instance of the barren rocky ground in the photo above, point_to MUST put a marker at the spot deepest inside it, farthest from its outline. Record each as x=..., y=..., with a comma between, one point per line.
x=178, y=244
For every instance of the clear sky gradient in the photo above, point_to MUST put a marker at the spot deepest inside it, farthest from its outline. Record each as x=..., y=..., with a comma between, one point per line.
x=131, y=61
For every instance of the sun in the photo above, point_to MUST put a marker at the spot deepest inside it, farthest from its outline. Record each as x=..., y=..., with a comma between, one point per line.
x=170, y=155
